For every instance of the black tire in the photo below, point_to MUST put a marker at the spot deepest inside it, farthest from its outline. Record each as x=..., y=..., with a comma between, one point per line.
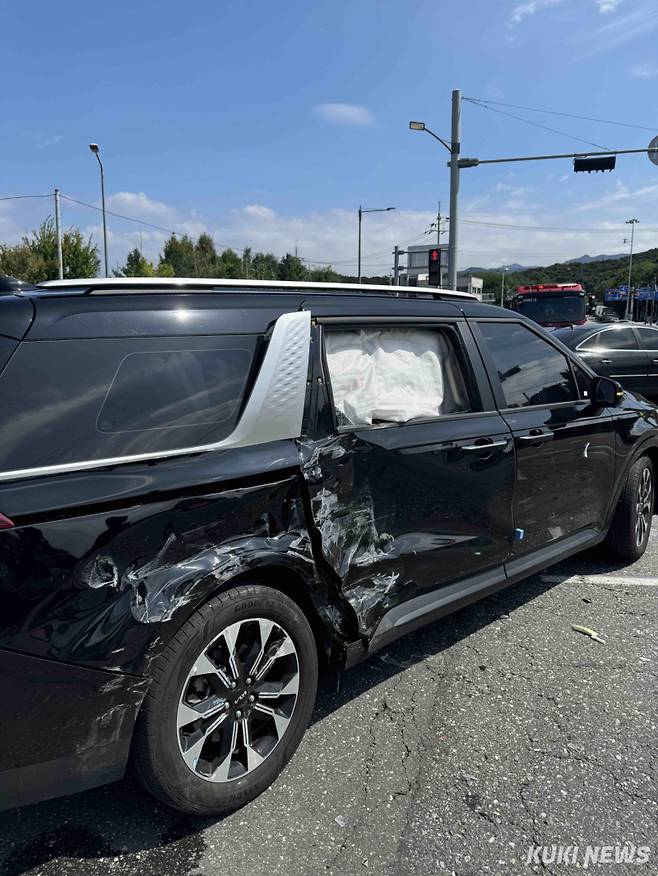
x=158, y=755
x=631, y=526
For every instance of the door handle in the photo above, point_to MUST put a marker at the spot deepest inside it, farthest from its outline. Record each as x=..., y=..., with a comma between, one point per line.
x=606, y=361
x=655, y=361
x=535, y=438
x=485, y=447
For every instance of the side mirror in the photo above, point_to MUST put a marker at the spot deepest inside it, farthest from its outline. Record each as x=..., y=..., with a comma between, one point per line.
x=604, y=392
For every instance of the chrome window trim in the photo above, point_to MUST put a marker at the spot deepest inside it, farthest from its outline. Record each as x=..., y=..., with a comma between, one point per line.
x=273, y=412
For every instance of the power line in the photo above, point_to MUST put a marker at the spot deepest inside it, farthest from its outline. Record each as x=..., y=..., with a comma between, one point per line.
x=558, y=228
x=482, y=105
x=556, y=113
x=24, y=197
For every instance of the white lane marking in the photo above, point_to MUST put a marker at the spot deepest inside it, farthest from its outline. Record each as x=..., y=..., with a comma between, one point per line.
x=613, y=580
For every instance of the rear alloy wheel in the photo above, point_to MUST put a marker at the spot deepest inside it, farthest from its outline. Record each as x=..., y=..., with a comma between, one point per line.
x=631, y=526
x=643, y=507
x=231, y=697
x=238, y=700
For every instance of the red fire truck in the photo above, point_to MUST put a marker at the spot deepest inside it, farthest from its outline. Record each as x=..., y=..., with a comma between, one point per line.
x=552, y=304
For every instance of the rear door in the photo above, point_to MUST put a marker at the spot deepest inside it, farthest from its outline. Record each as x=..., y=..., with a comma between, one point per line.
x=412, y=489
x=564, y=446
x=615, y=352
x=648, y=340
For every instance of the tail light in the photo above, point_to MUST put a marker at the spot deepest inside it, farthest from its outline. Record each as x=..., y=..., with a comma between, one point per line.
x=5, y=522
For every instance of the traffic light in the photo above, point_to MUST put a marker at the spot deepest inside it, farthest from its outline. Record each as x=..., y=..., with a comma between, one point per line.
x=605, y=162
x=434, y=266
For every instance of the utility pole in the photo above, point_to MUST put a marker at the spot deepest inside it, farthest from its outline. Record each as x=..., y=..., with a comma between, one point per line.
x=58, y=232
x=397, y=252
x=632, y=223
x=455, y=138
x=502, y=286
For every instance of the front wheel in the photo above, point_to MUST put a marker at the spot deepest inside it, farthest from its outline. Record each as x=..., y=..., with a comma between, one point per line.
x=631, y=526
x=231, y=697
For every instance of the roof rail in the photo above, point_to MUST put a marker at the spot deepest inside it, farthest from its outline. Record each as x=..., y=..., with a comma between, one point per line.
x=155, y=285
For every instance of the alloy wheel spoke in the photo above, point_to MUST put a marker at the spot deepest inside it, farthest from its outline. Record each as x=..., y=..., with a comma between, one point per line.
x=265, y=628
x=203, y=665
x=206, y=709
x=254, y=759
x=274, y=690
x=284, y=648
x=191, y=754
x=222, y=771
x=280, y=721
x=230, y=635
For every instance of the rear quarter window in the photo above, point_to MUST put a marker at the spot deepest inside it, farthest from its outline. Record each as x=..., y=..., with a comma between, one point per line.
x=81, y=400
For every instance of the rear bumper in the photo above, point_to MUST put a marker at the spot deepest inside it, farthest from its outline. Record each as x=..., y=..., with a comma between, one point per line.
x=63, y=728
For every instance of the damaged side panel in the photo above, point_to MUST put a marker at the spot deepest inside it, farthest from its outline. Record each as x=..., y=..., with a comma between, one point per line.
x=107, y=589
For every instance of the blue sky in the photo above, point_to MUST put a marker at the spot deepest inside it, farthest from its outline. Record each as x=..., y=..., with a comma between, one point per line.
x=267, y=124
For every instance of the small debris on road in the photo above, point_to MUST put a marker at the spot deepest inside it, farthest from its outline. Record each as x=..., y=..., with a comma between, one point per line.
x=586, y=631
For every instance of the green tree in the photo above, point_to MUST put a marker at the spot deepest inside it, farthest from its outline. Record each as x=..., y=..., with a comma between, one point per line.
x=246, y=263
x=325, y=275
x=179, y=253
x=35, y=258
x=137, y=265
x=291, y=267
x=229, y=264
x=264, y=266
x=205, y=257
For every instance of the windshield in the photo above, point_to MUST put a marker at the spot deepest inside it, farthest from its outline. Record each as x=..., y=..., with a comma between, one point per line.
x=551, y=310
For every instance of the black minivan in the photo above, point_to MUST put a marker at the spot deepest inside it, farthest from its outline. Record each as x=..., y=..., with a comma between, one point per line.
x=211, y=489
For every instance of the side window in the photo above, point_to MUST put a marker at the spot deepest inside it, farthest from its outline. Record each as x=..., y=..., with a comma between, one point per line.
x=80, y=400
x=617, y=339
x=394, y=375
x=531, y=371
x=648, y=338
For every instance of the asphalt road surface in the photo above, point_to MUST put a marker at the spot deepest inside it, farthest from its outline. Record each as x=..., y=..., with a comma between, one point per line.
x=452, y=751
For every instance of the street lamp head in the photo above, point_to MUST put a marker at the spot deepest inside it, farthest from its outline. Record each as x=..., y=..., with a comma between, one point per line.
x=417, y=126
x=390, y=208
x=94, y=147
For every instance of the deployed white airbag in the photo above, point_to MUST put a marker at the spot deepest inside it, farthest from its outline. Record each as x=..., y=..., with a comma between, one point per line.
x=392, y=375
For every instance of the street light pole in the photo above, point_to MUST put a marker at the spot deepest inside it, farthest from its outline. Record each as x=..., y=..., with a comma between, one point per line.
x=363, y=210
x=502, y=286
x=360, y=218
x=632, y=223
x=95, y=150
x=58, y=233
x=455, y=138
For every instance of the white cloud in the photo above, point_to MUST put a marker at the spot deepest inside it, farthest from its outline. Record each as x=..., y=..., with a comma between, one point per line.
x=620, y=195
x=257, y=211
x=345, y=114
x=644, y=71
x=622, y=29
x=524, y=10
x=42, y=141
